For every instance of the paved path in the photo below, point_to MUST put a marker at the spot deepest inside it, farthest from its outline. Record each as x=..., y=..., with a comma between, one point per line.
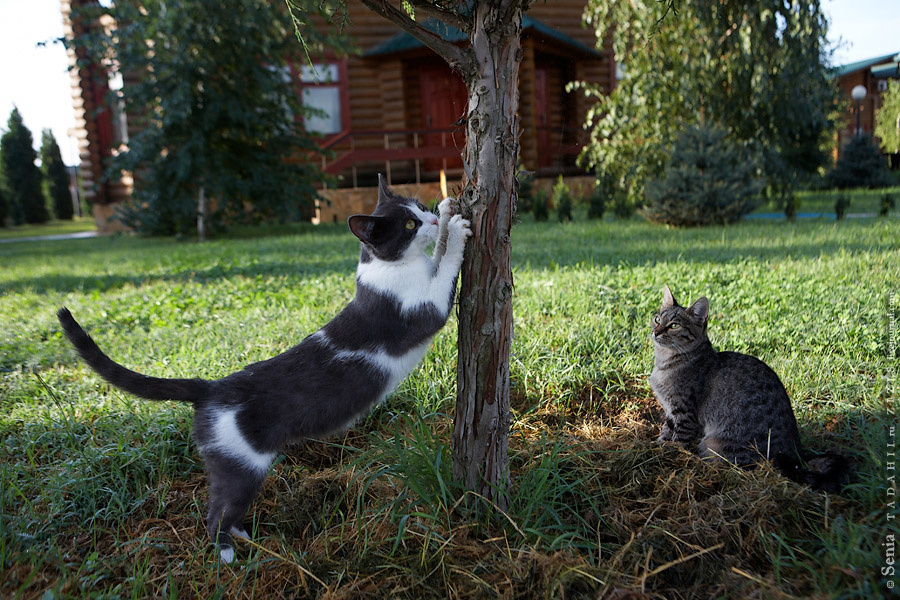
x=810, y=215
x=50, y=238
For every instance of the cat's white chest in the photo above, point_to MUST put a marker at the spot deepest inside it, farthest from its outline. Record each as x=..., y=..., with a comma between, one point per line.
x=409, y=282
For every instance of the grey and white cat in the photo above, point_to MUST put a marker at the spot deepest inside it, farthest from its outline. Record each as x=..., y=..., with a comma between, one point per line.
x=329, y=380
x=726, y=405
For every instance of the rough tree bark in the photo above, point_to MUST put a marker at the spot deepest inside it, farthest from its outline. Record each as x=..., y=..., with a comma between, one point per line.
x=481, y=424
x=489, y=65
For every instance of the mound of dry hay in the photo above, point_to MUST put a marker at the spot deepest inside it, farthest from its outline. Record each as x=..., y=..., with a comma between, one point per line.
x=640, y=520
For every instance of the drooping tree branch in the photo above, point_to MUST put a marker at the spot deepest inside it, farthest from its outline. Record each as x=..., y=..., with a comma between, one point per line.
x=449, y=17
x=457, y=57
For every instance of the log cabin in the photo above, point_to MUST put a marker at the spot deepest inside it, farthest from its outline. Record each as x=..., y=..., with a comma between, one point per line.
x=392, y=106
x=873, y=74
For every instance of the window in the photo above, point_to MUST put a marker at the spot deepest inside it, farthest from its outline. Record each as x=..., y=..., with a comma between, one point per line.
x=324, y=88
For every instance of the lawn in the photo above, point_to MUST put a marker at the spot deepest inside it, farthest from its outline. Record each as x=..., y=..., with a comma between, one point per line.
x=862, y=202
x=103, y=495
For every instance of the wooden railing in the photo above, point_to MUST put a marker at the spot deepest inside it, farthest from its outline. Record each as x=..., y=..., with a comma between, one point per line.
x=345, y=151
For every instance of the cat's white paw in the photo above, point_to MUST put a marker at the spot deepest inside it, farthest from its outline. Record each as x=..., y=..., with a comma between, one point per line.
x=459, y=226
x=227, y=554
x=445, y=208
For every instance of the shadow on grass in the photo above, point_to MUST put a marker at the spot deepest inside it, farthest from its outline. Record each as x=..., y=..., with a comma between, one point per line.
x=332, y=249
x=616, y=243
x=598, y=509
x=144, y=261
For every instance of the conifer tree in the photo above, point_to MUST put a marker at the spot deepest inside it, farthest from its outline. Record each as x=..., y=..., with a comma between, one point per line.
x=860, y=165
x=21, y=176
x=708, y=180
x=4, y=208
x=56, y=177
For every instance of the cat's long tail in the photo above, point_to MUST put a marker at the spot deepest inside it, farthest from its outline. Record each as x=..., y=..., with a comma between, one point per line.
x=151, y=388
x=827, y=472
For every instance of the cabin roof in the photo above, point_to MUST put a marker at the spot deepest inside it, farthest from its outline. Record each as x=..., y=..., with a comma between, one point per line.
x=404, y=42
x=878, y=63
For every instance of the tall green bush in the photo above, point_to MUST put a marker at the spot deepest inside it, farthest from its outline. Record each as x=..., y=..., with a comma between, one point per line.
x=887, y=119
x=20, y=175
x=841, y=204
x=220, y=113
x=4, y=207
x=562, y=200
x=539, y=209
x=597, y=200
x=761, y=69
x=525, y=195
x=886, y=204
x=708, y=179
x=56, y=177
x=860, y=165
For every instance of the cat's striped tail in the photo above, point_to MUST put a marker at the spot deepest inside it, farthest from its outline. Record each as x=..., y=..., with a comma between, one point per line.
x=151, y=388
x=827, y=472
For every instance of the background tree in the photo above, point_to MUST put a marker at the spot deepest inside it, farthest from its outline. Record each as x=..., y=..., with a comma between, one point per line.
x=756, y=68
x=860, y=165
x=4, y=206
x=708, y=180
x=56, y=177
x=21, y=176
x=220, y=115
x=887, y=120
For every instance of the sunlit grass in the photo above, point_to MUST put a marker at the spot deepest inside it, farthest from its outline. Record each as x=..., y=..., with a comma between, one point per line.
x=105, y=494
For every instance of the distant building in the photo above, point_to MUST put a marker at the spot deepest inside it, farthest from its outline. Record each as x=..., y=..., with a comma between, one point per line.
x=873, y=74
x=395, y=108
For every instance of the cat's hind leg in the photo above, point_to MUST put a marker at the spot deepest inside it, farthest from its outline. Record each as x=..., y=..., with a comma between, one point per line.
x=720, y=447
x=232, y=489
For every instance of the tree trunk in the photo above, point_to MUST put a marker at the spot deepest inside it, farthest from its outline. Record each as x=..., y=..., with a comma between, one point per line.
x=202, y=213
x=481, y=425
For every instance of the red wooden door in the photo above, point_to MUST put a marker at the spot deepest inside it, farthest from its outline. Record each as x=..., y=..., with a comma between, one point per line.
x=542, y=116
x=443, y=103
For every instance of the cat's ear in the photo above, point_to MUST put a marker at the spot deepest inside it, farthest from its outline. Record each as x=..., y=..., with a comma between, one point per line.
x=668, y=298
x=366, y=227
x=700, y=309
x=384, y=192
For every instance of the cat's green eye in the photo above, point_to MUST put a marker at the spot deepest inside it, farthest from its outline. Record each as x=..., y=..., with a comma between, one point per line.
x=656, y=319
x=410, y=224
x=674, y=326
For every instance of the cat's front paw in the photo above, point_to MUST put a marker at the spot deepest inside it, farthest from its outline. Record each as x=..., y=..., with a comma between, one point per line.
x=459, y=228
x=445, y=208
x=666, y=434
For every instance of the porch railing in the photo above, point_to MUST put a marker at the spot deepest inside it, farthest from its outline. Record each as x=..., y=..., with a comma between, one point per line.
x=347, y=150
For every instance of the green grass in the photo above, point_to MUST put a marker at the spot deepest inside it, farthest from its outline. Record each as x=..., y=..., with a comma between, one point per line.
x=103, y=495
x=76, y=225
x=862, y=202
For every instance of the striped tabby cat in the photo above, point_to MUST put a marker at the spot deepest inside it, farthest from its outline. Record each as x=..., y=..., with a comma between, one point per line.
x=726, y=405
